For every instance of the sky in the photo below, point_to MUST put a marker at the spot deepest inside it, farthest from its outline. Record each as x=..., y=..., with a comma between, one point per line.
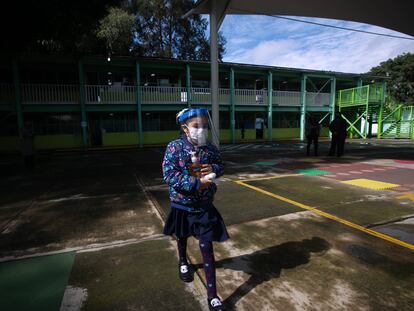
x=266, y=40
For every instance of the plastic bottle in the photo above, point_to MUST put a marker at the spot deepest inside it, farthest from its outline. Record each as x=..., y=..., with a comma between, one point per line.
x=195, y=168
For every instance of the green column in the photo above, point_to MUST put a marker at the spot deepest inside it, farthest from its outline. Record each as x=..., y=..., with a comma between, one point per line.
x=366, y=118
x=380, y=124
x=269, y=106
x=358, y=95
x=232, y=108
x=384, y=92
x=302, y=107
x=82, y=99
x=188, y=83
x=412, y=124
x=332, y=101
x=17, y=96
x=138, y=103
x=398, y=117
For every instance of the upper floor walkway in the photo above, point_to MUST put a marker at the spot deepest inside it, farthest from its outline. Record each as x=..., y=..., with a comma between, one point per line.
x=32, y=94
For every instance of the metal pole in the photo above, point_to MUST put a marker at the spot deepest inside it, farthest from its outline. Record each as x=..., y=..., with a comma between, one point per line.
x=17, y=96
x=188, y=84
x=232, y=108
x=332, y=101
x=139, y=102
x=366, y=115
x=82, y=97
x=269, y=106
x=214, y=71
x=380, y=125
x=302, y=107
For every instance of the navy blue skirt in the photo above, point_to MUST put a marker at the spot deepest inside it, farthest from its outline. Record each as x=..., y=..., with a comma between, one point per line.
x=207, y=225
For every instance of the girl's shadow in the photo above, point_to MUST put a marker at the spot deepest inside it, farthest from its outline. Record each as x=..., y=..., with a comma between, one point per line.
x=267, y=263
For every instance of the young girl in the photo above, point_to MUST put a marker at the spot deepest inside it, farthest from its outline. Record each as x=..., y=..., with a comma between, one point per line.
x=190, y=165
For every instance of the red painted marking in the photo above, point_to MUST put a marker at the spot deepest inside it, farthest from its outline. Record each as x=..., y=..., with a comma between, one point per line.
x=368, y=171
x=404, y=161
x=343, y=174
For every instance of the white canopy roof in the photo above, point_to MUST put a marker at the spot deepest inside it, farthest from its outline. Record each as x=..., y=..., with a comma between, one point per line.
x=393, y=14
x=397, y=15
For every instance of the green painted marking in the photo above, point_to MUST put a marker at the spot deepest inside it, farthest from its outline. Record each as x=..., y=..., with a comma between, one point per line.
x=313, y=172
x=35, y=283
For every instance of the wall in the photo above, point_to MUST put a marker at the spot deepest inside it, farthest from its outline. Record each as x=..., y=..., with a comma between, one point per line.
x=57, y=141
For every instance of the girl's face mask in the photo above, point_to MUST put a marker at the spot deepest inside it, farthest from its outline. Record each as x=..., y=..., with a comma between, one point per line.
x=198, y=136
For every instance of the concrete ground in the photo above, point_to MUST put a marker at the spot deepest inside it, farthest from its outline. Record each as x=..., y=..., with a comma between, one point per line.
x=302, y=238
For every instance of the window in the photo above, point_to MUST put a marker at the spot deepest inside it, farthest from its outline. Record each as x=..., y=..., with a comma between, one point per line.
x=286, y=120
x=159, y=121
x=8, y=124
x=119, y=122
x=53, y=124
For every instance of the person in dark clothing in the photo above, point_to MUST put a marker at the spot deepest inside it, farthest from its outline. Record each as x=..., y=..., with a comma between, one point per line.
x=242, y=129
x=338, y=129
x=312, y=135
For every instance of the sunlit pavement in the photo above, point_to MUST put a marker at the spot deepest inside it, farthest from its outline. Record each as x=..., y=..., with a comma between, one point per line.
x=304, y=236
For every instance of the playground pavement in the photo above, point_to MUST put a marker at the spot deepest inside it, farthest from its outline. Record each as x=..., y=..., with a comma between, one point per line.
x=83, y=231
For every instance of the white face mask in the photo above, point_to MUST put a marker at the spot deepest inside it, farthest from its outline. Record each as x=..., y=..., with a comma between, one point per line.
x=198, y=136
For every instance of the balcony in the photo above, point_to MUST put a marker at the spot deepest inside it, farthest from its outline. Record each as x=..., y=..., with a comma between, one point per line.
x=32, y=94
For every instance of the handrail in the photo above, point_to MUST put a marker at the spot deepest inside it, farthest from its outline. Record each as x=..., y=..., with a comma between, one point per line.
x=124, y=94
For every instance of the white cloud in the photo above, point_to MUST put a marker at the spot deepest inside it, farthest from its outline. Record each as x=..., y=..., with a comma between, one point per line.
x=270, y=41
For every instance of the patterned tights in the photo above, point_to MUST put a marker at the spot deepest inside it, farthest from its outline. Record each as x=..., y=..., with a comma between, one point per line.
x=206, y=248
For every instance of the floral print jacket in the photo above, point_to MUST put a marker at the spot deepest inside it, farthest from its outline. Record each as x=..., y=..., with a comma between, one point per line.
x=183, y=188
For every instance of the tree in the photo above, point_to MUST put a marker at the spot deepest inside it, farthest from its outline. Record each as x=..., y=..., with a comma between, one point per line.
x=116, y=29
x=161, y=32
x=52, y=26
x=123, y=27
x=400, y=71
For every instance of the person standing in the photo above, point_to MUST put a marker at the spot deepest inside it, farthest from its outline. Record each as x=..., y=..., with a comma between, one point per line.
x=242, y=129
x=259, y=128
x=189, y=167
x=338, y=128
x=312, y=135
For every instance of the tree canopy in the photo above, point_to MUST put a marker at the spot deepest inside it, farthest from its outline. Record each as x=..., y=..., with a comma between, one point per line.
x=159, y=30
x=400, y=71
x=151, y=28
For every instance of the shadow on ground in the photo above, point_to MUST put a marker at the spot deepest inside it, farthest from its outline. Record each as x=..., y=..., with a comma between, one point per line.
x=268, y=263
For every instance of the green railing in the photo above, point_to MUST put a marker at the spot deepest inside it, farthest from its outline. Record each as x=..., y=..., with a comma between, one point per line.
x=376, y=93
x=399, y=123
x=49, y=93
x=356, y=96
x=360, y=96
x=119, y=94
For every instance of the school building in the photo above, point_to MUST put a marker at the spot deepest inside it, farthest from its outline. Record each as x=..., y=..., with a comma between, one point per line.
x=123, y=101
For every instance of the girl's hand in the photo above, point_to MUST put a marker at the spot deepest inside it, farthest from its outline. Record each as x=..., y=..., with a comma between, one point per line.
x=206, y=169
x=205, y=183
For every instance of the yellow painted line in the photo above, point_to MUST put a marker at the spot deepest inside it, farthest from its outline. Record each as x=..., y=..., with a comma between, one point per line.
x=407, y=195
x=271, y=177
x=332, y=217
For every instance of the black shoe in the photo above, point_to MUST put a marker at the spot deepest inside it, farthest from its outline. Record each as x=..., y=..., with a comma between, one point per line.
x=215, y=304
x=184, y=272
